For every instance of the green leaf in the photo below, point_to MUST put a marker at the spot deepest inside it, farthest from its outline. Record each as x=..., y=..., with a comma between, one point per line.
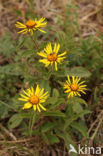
x=81, y=128
x=3, y=111
x=76, y=103
x=44, y=137
x=25, y=115
x=52, y=138
x=52, y=100
x=47, y=126
x=73, y=100
x=54, y=113
x=58, y=102
x=55, y=93
x=77, y=107
x=15, y=121
x=45, y=84
x=66, y=136
x=78, y=71
x=74, y=117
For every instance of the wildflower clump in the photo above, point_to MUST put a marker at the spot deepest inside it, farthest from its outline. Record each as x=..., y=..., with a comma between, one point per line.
x=35, y=57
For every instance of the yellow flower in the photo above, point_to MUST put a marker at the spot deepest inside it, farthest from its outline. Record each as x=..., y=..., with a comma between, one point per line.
x=31, y=26
x=75, y=87
x=51, y=56
x=34, y=98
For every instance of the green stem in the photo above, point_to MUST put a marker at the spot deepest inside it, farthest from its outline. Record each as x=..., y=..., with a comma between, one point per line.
x=31, y=122
x=35, y=43
x=9, y=106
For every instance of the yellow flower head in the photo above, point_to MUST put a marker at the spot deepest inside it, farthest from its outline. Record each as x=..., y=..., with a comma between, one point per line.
x=51, y=56
x=34, y=98
x=31, y=26
x=74, y=87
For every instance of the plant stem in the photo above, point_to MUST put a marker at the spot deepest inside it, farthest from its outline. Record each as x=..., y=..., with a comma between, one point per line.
x=9, y=106
x=35, y=43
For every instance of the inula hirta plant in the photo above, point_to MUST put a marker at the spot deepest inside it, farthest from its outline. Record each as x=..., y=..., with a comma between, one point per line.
x=50, y=55
x=31, y=26
x=34, y=98
x=74, y=87
x=43, y=103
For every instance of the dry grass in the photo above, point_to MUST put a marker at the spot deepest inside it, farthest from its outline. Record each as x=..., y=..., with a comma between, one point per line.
x=90, y=13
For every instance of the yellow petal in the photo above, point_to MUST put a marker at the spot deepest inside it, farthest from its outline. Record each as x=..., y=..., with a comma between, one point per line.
x=57, y=49
x=78, y=94
x=42, y=107
x=45, y=61
x=62, y=54
x=46, y=50
x=34, y=107
x=44, y=95
x=49, y=48
x=41, y=92
x=20, y=26
x=56, y=66
x=67, y=91
x=82, y=91
x=42, y=30
x=26, y=93
x=24, y=31
x=69, y=79
x=77, y=80
x=42, y=101
x=19, y=23
x=42, y=19
x=73, y=79
x=31, y=32
x=32, y=90
x=81, y=82
x=83, y=86
x=41, y=24
x=37, y=90
x=69, y=96
x=42, y=54
x=38, y=108
x=22, y=99
x=59, y=59
x=25, y=97
x=27, y=105
x=51, y=63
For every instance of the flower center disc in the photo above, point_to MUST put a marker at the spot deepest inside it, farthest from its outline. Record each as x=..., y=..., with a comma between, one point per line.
x=74, y=87
x=52, y=57
x=30, y=23
x=34, y=100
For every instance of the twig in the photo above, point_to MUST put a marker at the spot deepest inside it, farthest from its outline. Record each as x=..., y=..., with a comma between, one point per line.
x=89, y=15
x=7, y=132
x=17, y=141
x=96, y=130
x=99, y=116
